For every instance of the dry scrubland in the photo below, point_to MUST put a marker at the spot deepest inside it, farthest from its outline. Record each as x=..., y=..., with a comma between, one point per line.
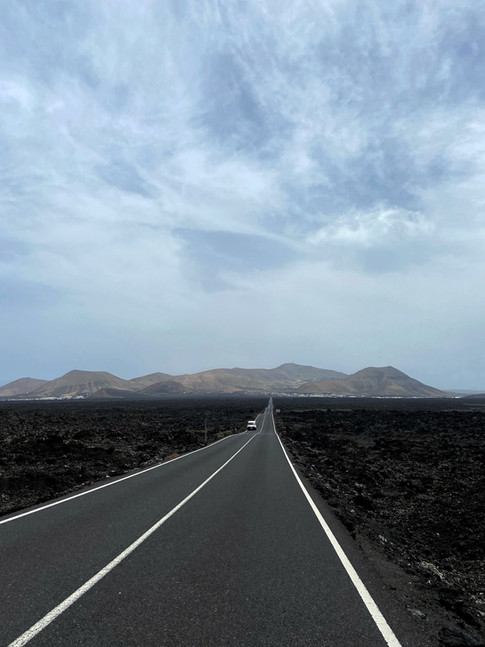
x=407, y=479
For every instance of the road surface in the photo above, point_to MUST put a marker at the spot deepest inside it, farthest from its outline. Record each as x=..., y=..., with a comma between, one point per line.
x=218, y=547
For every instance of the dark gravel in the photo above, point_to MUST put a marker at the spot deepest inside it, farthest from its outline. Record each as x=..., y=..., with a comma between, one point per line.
x=407, y=479
x=48, y=449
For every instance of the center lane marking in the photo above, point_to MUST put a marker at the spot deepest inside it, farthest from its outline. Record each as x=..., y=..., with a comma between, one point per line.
x=60, y=608
x=115, y=480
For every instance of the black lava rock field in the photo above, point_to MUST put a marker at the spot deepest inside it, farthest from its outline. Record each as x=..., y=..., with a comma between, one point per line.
x=407, y=479
x=48, y=449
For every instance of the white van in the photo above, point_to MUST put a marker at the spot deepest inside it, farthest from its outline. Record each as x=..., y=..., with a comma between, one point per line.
x=251, y=425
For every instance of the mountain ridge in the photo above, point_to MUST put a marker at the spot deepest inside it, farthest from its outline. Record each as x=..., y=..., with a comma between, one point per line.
x=374, y=382
x=77, y=383
x=287, y=378
x=21, y=386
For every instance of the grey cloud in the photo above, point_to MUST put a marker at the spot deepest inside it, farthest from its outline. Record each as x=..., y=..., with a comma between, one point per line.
x=42, y=36
x=395, y=258
x=125, y=177
x=372, y=63
x=216, y=253
x=21, y=295
x=149, y=149
x=230, y=110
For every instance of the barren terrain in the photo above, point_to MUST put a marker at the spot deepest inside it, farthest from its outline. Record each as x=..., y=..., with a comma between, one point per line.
x=407, y=479
x=50, y=448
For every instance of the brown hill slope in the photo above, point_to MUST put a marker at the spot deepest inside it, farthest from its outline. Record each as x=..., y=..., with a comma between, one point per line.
x=231, y=380
x=77, y=383
x=219, y=380
x=21, y=386
x=287, y=374
x=222, y=380
x=147, y=380
x=375, y=381
x=384, y=381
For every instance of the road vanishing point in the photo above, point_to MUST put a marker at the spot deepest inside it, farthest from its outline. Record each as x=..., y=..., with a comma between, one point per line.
x=223, y=546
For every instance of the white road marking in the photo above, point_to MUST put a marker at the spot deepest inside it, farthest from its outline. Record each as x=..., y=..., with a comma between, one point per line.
x=367, y=599
x=60, y=608
x=114, y=482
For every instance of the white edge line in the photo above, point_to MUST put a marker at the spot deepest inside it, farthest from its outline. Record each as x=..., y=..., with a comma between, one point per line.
x=367, y=599
x=123, y=478
x=60, y=608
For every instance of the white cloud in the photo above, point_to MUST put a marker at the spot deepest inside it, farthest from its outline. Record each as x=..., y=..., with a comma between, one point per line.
x=15, y=96
x=349, y=135
x=375, y=228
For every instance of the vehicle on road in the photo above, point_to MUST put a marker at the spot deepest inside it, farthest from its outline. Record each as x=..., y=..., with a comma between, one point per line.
x=251, y=425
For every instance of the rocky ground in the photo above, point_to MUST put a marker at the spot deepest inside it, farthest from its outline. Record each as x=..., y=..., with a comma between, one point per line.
x=51, y=448
x=407, y=479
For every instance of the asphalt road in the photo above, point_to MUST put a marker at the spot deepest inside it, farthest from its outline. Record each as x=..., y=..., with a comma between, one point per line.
x=218, y=547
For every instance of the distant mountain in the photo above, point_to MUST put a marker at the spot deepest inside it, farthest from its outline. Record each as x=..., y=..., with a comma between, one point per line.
x=20, y=387
x=147, y=380
x=375, y=381
x=163, y=387
x=290, y=378
x=219, y=380
x=261, y=380
x=76, y=383
x=289, y=374
x=222, y=380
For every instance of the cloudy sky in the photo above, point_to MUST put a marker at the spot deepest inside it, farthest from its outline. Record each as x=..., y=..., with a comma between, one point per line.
x=191, y=184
